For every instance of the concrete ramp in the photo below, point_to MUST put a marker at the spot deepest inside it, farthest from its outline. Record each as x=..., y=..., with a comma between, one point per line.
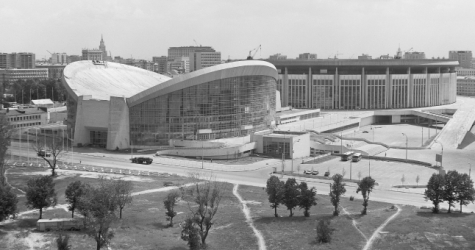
x=432, y=116
x=455, y=130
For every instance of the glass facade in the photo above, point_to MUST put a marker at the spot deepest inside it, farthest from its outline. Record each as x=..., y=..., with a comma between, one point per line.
x=223, y=108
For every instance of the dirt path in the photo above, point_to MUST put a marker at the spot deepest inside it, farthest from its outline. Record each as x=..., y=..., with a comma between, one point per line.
x=162, y=189
x=355, y=224
x=380, y=228
x=247, y=213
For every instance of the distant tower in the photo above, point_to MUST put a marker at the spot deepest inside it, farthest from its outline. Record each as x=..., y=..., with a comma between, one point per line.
x=102, y=47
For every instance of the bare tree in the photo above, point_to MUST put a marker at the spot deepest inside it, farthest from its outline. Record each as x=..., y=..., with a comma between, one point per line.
x=169, y=203
x=52, y=148
x=123, y=191
x=203, y=198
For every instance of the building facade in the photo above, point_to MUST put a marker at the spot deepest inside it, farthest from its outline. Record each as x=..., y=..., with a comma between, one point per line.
x=161, y=61
x=174, y=52
x=277, y=56
x=307, y=56
x=59, y=58
x=414, y=55
x=26, y=117
x=369, y=84
x=365, y=57
x=201, y=60
x=465, y=72
x=464, y=57
x=55, y=71
x=12, y=75
x=22, y=60
x=466, y=85
x=92, y=54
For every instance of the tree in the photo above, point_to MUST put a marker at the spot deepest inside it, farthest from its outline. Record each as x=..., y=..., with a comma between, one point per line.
x=190, y=234
x=123, y=190
x=417, y=180
x=5, y=139
x=291, y=195
x=275, y=191
x=82, y=205
x=205, y=195
x=465, y=191
x=170, y=203
x=101, y=206
x=8, y=202
x=366, y=187
x=54, y=147
x=435, y=191
x=337, y=189
x=73, y=193
x=324, y=232
x=452, y=179
x=307, y=198
x=62, y=241
x=403, y=179
x=40, y=193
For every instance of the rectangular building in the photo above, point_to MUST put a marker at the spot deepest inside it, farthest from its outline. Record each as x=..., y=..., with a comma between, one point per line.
x=92, y=54
x=12, y=75
x=414, y=55
x=22, y=60
x=200, y=60
x=365, y=57
x=59, y=58
x=174, y=52
x=54, y=71
x=161, y=62
x=307, y=56
x=277, y=56
x=463, y=56
x=22, y=118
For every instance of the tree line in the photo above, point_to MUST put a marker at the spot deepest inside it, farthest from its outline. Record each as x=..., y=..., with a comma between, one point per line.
x=32, y=89
x=452, y=188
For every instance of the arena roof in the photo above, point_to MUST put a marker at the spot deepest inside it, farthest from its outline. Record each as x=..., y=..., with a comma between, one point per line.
x=107, y=79
x=221, y=71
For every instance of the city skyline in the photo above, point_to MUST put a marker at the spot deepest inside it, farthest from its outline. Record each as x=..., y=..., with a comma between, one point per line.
x=144, y=29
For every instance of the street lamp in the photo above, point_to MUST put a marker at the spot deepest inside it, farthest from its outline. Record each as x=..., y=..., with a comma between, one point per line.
x=293, y=155
x=406, y=143
x=441, y=165
x=470, y=170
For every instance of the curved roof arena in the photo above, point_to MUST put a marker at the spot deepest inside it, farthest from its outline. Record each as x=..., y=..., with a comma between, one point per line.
x=221, y=71
x=103, y=80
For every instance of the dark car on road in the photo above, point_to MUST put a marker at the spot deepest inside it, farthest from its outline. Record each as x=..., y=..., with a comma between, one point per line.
x=142, y=160
x=44, y=153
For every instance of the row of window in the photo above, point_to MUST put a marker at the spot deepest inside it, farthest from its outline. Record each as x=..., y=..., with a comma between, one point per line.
x=26, y=125
x=24, y=118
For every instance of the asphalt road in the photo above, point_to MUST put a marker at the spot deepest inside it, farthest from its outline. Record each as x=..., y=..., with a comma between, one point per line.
x=253, y=178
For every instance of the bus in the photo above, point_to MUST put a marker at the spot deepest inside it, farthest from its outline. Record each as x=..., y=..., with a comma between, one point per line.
x=356, y=157
x=59, y=224
x=346, y=156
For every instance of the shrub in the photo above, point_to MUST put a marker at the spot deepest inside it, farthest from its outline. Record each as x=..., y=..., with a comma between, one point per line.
x=352, y=198
x=324, y=232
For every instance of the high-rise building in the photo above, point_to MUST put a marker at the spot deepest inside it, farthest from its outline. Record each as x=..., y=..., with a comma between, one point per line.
x=174, y=52
x=463, y=56
x=199, y=60
x=181, y=64
x=59, y=58
x=307, y=56
x=22, y=60
x=365, y=57
x=161, y=62
x=277, y=56
x=102, y=47
x=414, y=55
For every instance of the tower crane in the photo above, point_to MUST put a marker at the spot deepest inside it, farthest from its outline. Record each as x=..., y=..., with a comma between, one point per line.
x=251, y=54
x=197, y=44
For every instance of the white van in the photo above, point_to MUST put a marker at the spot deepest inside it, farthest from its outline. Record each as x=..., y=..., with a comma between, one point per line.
x=59, y=224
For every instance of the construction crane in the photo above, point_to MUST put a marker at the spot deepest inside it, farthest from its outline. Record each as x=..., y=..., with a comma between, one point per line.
x=251, y=54
x=197, y=44
x=335, y=56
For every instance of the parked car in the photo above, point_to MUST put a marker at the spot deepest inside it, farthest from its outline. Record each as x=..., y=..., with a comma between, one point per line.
x=44, y=153
x=59, y=224
x=142, y=160
x=315, y=172
x=307, y=172
x=327, y=174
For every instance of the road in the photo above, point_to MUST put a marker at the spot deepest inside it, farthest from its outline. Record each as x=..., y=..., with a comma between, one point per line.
x=252, y=178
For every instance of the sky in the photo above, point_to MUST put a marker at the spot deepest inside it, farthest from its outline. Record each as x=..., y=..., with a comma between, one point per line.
x=142, y=29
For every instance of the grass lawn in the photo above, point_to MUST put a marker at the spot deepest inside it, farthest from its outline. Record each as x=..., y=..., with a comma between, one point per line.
x=298, y=232
x=416, y=228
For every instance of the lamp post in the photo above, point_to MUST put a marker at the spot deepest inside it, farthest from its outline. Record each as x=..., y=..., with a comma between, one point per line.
x=441, y=160
x=293, y=156
x=406, y=143
x=470, y=170
x=350, y=168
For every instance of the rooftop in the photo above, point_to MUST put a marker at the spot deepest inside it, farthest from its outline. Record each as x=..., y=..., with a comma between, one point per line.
x=18, y=112
x=102, y=81
x=363, y=62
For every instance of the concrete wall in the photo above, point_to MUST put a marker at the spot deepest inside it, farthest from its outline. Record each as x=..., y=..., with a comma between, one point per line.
x=396, y=119
x=210, y=153
x=90, y=115
x=57, y=117
x=366, y=121
x=118, y=135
